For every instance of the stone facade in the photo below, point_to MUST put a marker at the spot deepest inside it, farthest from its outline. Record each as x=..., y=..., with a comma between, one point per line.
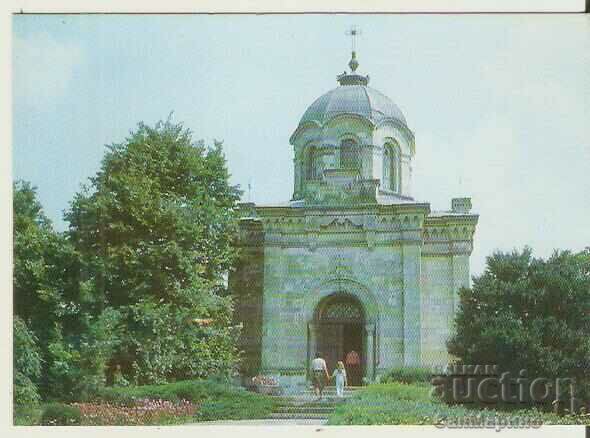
x=347, y=233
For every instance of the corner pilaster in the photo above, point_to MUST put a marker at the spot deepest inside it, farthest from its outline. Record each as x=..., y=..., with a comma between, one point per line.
x=411, y=254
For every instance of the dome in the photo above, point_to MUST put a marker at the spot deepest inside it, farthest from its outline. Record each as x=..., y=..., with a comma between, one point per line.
x=353, y=96
x=356, y=99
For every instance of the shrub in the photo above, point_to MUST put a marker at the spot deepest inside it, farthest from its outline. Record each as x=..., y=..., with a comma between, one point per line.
x=191, y=390
x=216, y=400
x=407, y=375
x=25, y=391
x=59, y=414
x=238, y=405
x=412, y=404
x=29, y=415
x=392, y=403
x=63, y=371
x=526, y=313
x=77, y=366
x=27, y=364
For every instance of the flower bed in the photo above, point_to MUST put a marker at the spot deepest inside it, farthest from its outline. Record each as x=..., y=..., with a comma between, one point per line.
x=180, y=402
x=142, y=412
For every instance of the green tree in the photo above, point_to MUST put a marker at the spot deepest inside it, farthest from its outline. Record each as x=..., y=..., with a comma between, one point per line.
x=27, y=365
x=45, y=267
x=73, y=342
x=528, y=313
x=45, y=283
x=155, y=229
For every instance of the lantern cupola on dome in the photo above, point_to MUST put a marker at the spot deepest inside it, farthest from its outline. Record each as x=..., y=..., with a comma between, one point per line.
x=352, y=144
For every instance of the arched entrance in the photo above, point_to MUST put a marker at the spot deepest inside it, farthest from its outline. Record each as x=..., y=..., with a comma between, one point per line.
x=340, y=323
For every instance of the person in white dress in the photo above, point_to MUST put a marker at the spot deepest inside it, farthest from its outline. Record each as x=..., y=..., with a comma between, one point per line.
x=340, y=376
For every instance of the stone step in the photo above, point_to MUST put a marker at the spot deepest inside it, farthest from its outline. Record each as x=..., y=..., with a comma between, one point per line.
x=301, y=408
x=313, y=403
x=325, y=401
x=311, y=399
x=305, y=409
x=298, y=416
x=333, y=388
x=352, y=391
x=346, y=388
x=328, y=393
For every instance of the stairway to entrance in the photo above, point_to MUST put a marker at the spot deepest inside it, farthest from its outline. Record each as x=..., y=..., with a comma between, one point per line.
x=306, y=406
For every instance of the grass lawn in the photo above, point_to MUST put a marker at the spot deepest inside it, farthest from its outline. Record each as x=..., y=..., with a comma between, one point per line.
x=173, y=403
x=399, y=403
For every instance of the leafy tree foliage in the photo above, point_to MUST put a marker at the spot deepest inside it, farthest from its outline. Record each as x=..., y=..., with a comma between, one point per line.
x=27, y=365
x=45, y=286
x=154, y=230
x=150, y=240
x=45, y=268
x=78, y=362
x=527, y=313
x=55, y=334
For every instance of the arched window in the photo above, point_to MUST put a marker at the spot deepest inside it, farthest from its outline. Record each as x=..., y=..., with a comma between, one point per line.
x=309, y=161
x=387, y=165
x=350, y=157
x=314, y=164
x=390, y=168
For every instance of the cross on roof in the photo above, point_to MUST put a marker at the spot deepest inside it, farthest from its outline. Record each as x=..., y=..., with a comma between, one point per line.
x=353, y=32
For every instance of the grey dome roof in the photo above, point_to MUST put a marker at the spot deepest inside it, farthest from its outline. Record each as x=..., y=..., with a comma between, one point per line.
x=356, y=99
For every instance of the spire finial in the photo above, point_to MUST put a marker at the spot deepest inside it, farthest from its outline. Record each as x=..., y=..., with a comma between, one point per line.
x=353, y=32
x=353, y=78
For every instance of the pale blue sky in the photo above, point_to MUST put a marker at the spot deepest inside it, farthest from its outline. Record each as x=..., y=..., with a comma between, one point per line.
x=500, y=105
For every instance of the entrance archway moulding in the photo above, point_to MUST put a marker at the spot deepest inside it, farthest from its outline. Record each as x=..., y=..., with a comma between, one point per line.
x=346, y=286
x=370, y=307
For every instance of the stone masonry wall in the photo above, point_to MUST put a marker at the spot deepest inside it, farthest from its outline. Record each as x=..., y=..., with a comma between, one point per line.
x=404, y=272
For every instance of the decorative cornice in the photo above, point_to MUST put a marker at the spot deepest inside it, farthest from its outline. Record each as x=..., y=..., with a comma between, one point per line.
x=358, y=226
x=340, y=224
x=315, y=124
x=448, y=233
x=373, y=209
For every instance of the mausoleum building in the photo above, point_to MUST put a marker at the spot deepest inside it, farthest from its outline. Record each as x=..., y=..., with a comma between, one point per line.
x=352, y=261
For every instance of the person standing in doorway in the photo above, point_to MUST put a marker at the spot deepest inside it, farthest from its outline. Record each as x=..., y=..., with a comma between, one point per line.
x=320, y=374
x=340, y=376
x=353, y=364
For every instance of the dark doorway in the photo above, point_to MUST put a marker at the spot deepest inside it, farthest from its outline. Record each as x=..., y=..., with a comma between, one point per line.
x=340, y=330
x=353, y=342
